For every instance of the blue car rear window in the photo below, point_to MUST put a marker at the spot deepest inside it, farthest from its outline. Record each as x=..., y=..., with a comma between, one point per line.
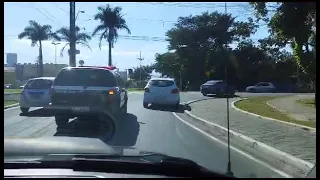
x=38, y=84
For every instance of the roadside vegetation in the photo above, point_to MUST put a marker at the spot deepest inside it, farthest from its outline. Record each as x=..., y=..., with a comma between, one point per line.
x=258, y=105
x=9, y=102
x=307, y=102
x=12, y=90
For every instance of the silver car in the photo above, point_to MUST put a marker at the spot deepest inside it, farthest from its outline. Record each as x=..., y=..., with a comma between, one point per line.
x=262, y=87
x=36, y=93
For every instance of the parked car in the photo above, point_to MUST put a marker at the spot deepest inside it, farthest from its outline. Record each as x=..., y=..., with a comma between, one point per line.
x=217, y=87
x=162, y=91
x=262, y=87
x=87, y=92
x=35, y=93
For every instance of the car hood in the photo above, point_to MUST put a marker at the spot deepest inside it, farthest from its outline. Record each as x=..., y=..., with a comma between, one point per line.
x=63, y=145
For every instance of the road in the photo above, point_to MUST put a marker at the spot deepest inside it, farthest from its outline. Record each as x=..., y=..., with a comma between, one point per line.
x=155, y=130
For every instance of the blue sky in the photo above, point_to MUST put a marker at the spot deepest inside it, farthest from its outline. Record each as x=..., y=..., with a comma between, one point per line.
x=143, y=19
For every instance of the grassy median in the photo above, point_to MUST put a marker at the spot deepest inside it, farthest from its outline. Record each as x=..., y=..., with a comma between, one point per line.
x=9, y=102
x=307, y=102
x=258, y=105
x=12, y=90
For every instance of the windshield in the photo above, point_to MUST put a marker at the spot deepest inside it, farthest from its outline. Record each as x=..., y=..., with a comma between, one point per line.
x=228, y=85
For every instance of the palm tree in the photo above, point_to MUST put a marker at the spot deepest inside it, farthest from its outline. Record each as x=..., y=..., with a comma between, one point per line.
x=81, y=38
x=37, y=34
x=111, y=20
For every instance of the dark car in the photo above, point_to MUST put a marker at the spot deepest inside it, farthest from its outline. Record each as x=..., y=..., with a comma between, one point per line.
x=217, y=87
x=87, y=91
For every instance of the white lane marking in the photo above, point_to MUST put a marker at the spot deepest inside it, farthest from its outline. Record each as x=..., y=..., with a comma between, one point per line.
x=8, y=109
x=233, y=148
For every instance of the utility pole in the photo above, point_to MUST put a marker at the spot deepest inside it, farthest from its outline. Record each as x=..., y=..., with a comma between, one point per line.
x=140, y=59
x=72, y=52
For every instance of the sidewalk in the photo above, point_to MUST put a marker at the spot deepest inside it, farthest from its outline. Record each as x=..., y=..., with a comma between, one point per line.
x=286, y=138
x=295, y=110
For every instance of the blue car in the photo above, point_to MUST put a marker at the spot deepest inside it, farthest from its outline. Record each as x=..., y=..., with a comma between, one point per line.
x=217, y=87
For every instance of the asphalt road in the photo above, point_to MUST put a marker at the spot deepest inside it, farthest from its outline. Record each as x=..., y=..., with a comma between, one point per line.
x=155, y=129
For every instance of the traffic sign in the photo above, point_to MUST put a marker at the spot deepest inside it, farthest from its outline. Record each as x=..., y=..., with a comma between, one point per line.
x=77, y=51
x=208, y=73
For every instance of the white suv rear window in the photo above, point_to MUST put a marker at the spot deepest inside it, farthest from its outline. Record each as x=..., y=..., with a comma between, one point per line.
x=161, y=83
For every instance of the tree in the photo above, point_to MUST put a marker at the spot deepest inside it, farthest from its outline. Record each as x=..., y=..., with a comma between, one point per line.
x=294, y=22
x=37, y=34
x=81, y=38
x=111, y=20
x=145, y=73
x=201, y=45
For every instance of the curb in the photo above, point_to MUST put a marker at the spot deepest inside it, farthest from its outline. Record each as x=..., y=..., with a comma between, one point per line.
x=272, y=119
x=300, y=166
x=12, y=93
x=12, y=105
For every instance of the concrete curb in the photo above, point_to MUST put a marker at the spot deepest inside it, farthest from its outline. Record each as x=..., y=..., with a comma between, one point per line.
x=11, y=93
x=272, y=119
x=255, y=147
x=12, y=105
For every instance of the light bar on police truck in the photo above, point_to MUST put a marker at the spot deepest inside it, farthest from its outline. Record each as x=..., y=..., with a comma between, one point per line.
x=103, y=67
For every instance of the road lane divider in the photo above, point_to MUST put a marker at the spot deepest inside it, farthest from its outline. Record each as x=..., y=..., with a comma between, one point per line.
x=276, y=158
x=233, y=148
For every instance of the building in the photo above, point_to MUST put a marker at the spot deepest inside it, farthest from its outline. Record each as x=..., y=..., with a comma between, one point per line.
x=12, y=59
x=23, y=72
x=123, y=75
x=49, y=70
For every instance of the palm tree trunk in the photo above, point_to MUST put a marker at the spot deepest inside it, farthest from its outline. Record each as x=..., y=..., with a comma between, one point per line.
x=110, y=60
x=40, y=60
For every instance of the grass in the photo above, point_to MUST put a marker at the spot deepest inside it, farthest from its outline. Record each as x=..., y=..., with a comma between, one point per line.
x=307, y=102
x=9, y=102
x=258, y=105
x=135, y=89
x=12, y=90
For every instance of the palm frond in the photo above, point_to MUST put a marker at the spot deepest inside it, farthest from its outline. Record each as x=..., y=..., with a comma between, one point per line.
x=98, y=28
x=61, y=53
x=84, y=44
x=103, y=35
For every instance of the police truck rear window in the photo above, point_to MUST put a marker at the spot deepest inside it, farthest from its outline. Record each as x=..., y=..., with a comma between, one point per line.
x=85, y=77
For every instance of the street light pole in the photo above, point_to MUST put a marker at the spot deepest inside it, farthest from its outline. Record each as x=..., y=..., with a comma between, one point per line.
x=55, y=53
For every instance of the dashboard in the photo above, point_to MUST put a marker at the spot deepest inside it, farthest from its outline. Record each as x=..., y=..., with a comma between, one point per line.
x=68, y=173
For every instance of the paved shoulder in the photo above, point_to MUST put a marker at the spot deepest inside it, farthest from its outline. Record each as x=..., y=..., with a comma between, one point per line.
x=292, y=140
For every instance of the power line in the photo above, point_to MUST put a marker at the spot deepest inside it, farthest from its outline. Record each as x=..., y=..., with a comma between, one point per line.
x=52, y=16
x=55, y=21
x=60, y=8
